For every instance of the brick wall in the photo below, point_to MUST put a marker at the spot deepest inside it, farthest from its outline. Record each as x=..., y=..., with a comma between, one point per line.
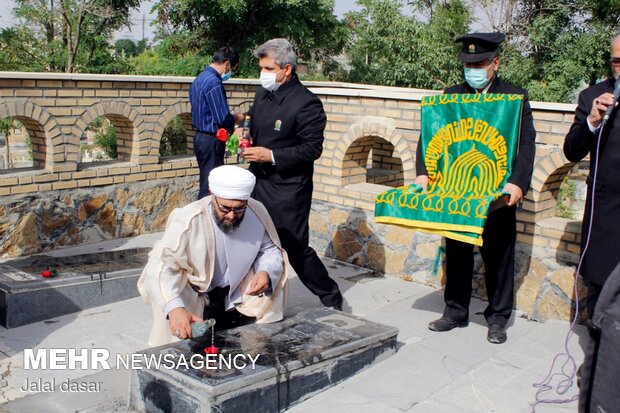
x=371, y=136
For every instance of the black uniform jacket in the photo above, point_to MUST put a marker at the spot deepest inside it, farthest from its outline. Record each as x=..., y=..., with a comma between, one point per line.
x=524, y=163
x=603, y=253
x=290, y=122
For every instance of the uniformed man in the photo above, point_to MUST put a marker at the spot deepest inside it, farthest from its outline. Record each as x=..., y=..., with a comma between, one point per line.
x=288, y=122
x=481, y=61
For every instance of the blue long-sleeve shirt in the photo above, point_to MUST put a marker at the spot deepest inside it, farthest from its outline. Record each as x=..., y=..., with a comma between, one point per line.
x=209, y=105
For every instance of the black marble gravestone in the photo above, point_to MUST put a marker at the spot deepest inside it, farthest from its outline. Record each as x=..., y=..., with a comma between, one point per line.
x=296, y=358
x=83, y=281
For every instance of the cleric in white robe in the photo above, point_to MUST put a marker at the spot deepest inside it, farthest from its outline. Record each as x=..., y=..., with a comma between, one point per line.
x=220, y=257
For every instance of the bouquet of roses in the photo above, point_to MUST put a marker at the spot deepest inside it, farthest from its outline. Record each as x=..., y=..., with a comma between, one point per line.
x=231, y=141
x=233, y=144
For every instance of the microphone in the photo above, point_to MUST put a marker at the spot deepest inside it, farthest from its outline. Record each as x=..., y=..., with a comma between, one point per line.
x=613, y=104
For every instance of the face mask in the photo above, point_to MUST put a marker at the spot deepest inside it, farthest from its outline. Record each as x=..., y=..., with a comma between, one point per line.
x=268, y=81
x=226, y=76
x=476, y=78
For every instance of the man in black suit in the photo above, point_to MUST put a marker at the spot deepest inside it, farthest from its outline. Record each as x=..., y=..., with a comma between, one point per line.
x=288, y=122
x=602, y=255
x=480, y=59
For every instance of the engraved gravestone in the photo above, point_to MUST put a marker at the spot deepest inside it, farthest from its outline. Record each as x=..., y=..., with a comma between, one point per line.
x=261, y=367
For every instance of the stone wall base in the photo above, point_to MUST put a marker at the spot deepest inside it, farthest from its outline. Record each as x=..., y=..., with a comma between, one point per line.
x=44, y=221
x=544, y=278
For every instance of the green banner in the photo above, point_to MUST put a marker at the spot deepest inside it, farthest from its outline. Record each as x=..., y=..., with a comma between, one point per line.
x=469, y=144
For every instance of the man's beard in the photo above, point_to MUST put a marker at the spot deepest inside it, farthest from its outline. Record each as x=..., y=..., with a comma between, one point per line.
x=225, y=227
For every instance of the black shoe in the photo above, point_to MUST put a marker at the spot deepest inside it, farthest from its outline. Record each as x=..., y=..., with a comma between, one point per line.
x=334, y=303
x=446, y=324
x=497, y=334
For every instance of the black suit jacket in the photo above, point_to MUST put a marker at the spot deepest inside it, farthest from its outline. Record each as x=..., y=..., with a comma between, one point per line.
x=291, y=122
x=602, y=255
x=524, y=163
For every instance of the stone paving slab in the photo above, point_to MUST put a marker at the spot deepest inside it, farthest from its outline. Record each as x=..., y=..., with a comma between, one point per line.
x=457, y=371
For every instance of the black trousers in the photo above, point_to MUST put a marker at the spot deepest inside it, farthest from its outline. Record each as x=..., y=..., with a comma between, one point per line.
x=594, y=292
x=288, y=201
x=224, y=320
x=498, y=251
x=209, y=154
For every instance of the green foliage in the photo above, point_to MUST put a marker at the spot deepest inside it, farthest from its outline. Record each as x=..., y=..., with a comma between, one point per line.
x=97, y=123
x=106, y=140
x=244, y=24
x=128, y=48
x=566, y=199
x=29, y=145
x=554, y=47
x=332, y=70
x=101, y=61
x=6, y=125
x=105, y=136
x=20, y=51
x=63, y=35
x=174, y=139
x=161, y=61
x=396, y=50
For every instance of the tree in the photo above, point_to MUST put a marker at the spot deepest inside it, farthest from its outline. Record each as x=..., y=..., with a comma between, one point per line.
x=105, y=136
x=554, y=47
x=173, y=139
x=175, y=55
x=390, y=48
x=129, y=48
x=19, y=51
x=310, y=26
x=64, y=35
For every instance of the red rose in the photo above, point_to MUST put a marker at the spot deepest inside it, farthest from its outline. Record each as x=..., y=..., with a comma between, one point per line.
x=221, y=135
x=46, y=274
x=244, y=144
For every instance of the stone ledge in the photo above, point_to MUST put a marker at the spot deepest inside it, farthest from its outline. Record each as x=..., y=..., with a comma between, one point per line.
x=560, y=224
x=367, y=188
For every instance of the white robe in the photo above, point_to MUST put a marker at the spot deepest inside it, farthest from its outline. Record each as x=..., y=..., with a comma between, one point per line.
x=181, y=265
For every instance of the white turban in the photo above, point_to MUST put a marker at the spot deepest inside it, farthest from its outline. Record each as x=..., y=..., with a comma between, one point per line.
x=231, y=182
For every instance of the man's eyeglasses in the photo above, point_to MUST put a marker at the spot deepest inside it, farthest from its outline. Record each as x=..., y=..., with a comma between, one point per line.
x=226, y=210
x=615, y=60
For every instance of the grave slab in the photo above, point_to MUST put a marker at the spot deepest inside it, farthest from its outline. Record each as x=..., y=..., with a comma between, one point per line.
x=83, y=281
x=297, y=358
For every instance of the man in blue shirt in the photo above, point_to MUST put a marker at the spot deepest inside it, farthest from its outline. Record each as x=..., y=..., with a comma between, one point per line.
x=210, y=112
